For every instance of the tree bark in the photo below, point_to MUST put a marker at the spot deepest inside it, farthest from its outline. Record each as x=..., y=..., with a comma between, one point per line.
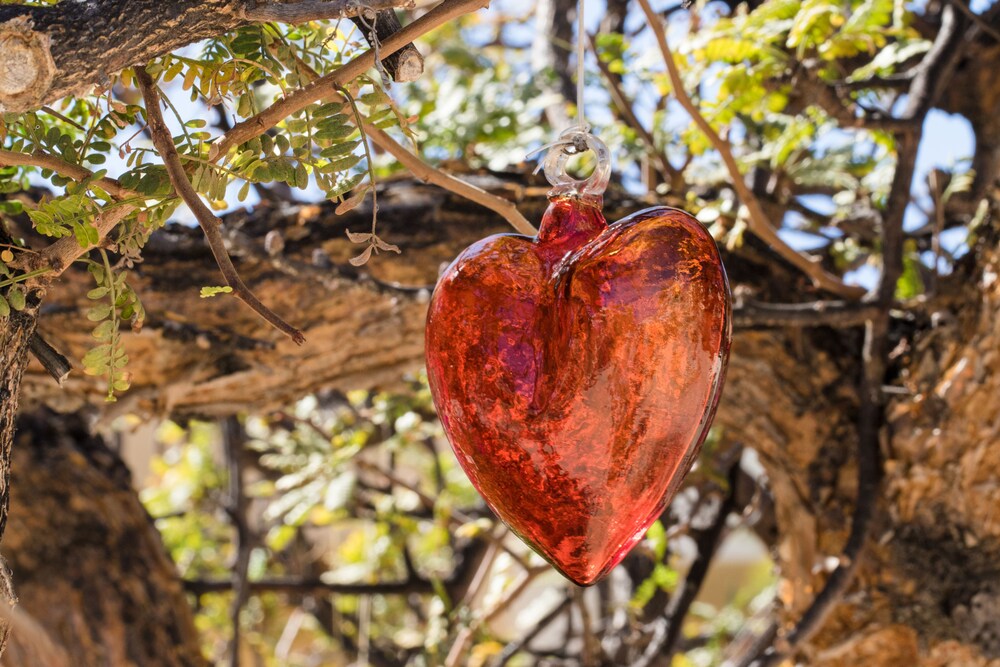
x=87, y=560
x=927, y=584
x=50, y=52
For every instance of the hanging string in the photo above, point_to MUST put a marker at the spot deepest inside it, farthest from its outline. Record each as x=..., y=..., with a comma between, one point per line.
x=577, y=138
x=581, y=119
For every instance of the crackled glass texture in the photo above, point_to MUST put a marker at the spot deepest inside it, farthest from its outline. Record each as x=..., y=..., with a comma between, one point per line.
x=576, y=373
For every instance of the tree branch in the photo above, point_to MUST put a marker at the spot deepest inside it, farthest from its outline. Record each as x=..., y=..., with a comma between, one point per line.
x=302, y=586
x=749, y=314
x=209, y=223
x=931, y=76
x=625, y=108
x=316, y=10
x=429, y=174
x=324, y=88
x=758, y=221
x=404, y=65
x=43, y=160
x=66, y=49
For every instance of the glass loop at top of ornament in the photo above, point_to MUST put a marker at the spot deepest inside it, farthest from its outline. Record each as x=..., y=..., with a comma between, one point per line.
x=574, y=141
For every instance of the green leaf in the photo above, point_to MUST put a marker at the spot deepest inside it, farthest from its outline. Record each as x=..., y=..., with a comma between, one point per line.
x=340, y=149
x=4, y=308
x=98, y=313
x=209, y=292
x=16, y=298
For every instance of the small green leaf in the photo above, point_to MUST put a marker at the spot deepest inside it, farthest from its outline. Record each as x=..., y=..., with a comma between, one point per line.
x=16, y=298
x=208, y=292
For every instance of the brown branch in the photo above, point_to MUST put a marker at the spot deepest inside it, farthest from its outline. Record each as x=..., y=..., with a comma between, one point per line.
x=748, y=314
x=758, y=222
x=236, y=508
x=515, y=647
x=932, y=74
x=404, y=65
x=977, y=19
x=429, y=174
x=317, y=10
x=323, y=88
x=43, y=160
x=51, y=359
x=208, y=221
x=624, y=105
x=59, y=255
x=305, y=586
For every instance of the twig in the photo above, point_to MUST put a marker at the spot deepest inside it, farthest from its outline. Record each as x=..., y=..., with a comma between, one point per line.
x=310, y=586
x=232, y=436
x=208, y=221
x=590, y=652
x=625, y=108
x=44, y=160
x=323, y=88
x=51, y=359
x=758, y=221
x=515, y=647
x=977, y=19
x=708, y=542
x=429, y=174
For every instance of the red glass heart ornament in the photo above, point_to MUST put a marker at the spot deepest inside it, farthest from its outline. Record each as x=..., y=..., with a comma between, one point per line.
x=576, y=373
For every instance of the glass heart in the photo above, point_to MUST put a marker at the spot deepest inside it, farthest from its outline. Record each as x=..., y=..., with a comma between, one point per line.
x=577, y=373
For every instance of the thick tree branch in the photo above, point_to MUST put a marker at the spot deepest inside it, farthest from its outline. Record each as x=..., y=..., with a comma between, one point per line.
x=66, y=49
x=748, y=314
x=932, y=75
x=208, y=221
x=316, y=10
x=758, y=221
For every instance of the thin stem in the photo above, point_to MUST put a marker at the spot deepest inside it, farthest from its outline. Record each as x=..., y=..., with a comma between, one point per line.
x=359, y=119
x=208, y=221
x=25, y=276
x=758, y=221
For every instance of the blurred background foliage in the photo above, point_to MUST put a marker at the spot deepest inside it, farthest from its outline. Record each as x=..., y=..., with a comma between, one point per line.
x=362, y=491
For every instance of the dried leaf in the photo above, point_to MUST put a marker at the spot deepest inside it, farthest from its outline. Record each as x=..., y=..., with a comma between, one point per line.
x=351, y=203
x=389, y=247
x=363, y=258
x=358, y=238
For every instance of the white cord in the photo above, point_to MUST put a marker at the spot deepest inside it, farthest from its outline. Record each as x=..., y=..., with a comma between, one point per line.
x=581, y=120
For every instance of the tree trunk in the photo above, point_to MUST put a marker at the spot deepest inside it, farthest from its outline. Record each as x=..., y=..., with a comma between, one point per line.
x=88, y=563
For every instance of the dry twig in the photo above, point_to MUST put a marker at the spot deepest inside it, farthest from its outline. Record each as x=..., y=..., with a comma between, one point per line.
x=208, y=221
x=758, y=221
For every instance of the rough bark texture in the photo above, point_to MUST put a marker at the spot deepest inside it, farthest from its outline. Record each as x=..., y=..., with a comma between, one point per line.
x=928, y=585
x=50, y=52
x=88, y=562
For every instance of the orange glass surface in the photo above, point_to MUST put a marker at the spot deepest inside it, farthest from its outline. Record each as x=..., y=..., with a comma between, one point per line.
x=576, y=373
